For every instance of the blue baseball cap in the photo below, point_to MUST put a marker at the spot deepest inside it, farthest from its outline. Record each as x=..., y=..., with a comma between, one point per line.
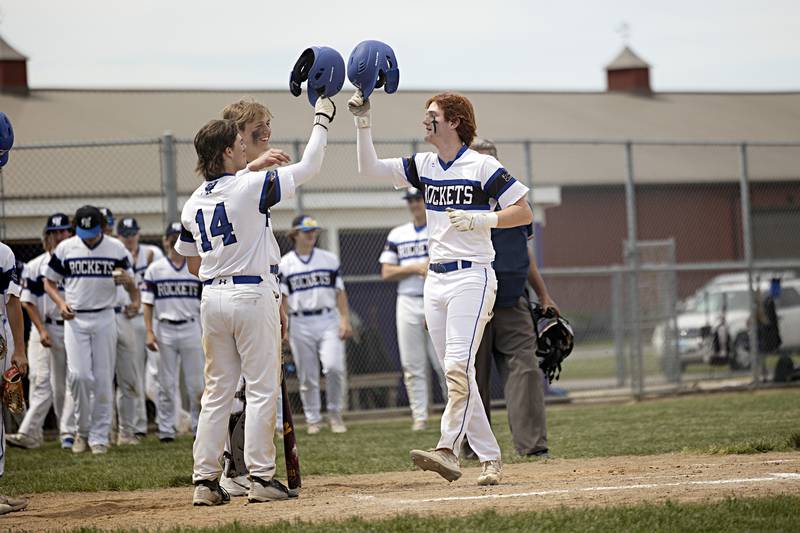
x=128, y=227
x=304, y=223
x=88, y=222
x=57, y=222
x=174, y=228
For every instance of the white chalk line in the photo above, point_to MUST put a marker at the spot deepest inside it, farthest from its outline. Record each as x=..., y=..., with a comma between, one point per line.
x=777, y=477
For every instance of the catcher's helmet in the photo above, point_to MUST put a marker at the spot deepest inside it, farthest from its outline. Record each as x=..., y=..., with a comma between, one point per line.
x=6, y=138
x=373, y=65
x=323, y=68
x=555, y=340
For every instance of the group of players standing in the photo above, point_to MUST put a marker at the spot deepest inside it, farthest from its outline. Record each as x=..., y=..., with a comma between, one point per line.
x=219, y=283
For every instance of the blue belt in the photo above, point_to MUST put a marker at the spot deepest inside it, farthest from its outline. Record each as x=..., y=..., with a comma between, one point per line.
x=49, y=320
x=240, y=280
x=313, y=312
x=442, y=268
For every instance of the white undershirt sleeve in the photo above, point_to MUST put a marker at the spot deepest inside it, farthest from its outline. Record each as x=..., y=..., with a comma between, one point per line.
x=370, y=166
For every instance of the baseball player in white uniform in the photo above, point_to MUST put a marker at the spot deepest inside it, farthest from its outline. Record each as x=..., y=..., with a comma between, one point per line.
x=226, y=245
x=12, y=349
x=171, y=298
x=144, y=255
x=461, y=189
x=319, y=322
x=90, y=265
x=47, y=358
x=405, y=260
x=127, y=348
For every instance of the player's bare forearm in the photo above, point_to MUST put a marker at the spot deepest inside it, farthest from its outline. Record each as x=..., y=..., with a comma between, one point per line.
x=33, y=314
x=52, y=291
x=539, y=287
x=148, y=318
x=193, y=263
x=345, y=329
x=517, y=214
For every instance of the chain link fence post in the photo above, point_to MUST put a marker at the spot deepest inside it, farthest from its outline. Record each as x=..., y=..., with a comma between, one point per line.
x=747, y=242
x=632, y=260
x=169, y=177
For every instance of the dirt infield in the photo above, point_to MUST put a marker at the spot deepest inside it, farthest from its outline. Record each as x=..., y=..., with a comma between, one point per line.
x=529, y=486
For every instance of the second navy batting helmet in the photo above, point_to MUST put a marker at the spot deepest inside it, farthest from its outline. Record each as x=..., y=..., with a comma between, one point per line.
x=323, y=68
x=373, y=65
x=6, y=138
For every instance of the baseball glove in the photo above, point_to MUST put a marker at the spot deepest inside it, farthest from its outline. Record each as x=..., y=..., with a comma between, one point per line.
x=13, y=395
x=554, y=340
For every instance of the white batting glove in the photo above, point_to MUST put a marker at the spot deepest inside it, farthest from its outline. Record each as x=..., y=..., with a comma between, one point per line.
x=465, y=221
x=359, y=107
x=324, y=111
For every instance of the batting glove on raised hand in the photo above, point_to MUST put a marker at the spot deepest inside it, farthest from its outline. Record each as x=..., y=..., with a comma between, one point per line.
x=324, y=111
x=359, y=107
x=464, y=221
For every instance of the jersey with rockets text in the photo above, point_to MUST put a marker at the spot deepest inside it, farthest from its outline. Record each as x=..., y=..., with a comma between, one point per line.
x=405, y=245
x=472, y=182
x=87, y=272
x=224, y=220
x=310, y=283
x=172, y=290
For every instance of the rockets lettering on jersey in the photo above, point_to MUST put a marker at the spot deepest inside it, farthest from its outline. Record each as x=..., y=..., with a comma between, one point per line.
x=310, y=283
x=472, y=182
x=87, y=271
x=173, y=290
x=405, y=245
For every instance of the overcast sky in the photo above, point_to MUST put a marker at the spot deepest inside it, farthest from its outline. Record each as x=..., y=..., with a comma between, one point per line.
x=440, y=44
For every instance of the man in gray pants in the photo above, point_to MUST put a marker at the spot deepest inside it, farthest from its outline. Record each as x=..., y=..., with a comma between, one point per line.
x=511, y=338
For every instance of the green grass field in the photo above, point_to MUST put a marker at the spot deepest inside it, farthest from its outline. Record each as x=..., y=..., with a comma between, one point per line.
x=744, y=422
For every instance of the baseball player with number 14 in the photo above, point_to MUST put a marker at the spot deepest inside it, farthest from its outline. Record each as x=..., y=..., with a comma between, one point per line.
x=461, y=189
x=227, y=247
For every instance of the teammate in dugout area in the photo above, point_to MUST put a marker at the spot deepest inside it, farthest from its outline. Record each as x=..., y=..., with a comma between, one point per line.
x=511, y=339
x=171, y=295
x=316, y=302
x=12, y=349
x=254, y=122
x=461, y=189
x=144, y=255
x=47, y=358
x=405, y=260
x=126, y=307
x=90, y=265
x=226, y=244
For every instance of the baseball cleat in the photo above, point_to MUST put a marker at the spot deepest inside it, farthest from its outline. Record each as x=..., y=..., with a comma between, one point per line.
x=443, y=462
x=491, y=474
x=126, y=440
x=337, y=424
x=209, y=493
x=419, y=425
x=235, y=486
x=99, y=449
x=314, y=428
x=21, y=440
x=80, y=445
x=266, y=491
x=9, y=504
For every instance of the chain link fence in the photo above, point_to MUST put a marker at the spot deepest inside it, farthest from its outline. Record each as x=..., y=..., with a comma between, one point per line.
x=658, y=252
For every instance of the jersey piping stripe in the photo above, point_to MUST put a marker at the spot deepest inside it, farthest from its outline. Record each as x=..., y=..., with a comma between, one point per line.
x=429, y=181
x=469, y=357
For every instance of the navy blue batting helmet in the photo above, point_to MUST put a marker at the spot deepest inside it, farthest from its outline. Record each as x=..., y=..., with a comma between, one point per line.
x=373, y=65
x=6, y=138
x=323, y=68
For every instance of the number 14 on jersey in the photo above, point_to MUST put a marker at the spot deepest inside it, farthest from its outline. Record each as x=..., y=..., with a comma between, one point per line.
x=220, y=227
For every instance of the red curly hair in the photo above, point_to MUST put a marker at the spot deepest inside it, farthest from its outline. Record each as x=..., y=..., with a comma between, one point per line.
x=457, y=107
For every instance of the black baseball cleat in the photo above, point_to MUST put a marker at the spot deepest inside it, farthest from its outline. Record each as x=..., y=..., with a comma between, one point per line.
x=207, y=492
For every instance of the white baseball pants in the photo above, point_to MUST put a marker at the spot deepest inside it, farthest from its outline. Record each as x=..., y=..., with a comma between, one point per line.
x=241, y=336
x=140, y=362
x=90, y=339
x=180, y=352
x=5, y=364
x=416, y=349
x=127, y=379
x=458, y=305
x=315, y=339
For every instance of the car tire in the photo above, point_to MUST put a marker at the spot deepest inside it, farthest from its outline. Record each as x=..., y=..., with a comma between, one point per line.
x=740, y=355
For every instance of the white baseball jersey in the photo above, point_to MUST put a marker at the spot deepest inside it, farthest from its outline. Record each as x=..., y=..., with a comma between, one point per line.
x=472, y=182
x=224, y=220
x=140, y=261
x=9, y=281
x=310, y=283
x=87, y=272
x=33, y=287
x=173, y=291
x=405, y=245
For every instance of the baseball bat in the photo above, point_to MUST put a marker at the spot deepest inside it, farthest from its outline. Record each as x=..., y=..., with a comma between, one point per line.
x=290, y=443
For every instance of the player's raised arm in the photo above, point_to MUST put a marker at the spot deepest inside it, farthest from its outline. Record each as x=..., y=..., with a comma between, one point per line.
x=368, y=163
